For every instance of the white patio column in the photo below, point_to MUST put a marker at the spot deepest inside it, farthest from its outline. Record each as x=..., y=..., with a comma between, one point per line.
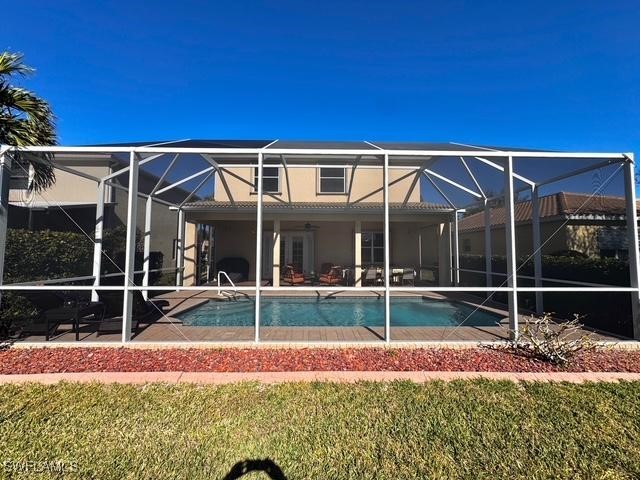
x=358, y=254
x=420, y=253
x=444, y=254
x=456, y=250
x=537, y=253
x=130, y=252
x=258, y=248
x=276, y=253
x=97, y=242
x=632, y=239
x=180, y=249
x=487, y=246
x=5, y=176
x=510, y=230
x=450, y=250
x=147, y=246
x=387, y=256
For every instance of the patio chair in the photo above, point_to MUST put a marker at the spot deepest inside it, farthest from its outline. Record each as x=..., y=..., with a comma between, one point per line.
x=292, y=276
x=371, y=276
x=428, y=275
x=334, y=277
x=57, y=309
x=325, y=268
x=409, y=277
x=143, y=311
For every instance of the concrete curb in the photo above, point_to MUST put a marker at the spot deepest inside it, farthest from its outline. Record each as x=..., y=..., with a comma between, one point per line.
x=215, y=378
x=310, y=344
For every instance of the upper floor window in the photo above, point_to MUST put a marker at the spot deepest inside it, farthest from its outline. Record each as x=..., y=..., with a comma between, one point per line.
x=270, y=179
x=332, y=180
x=21, y=175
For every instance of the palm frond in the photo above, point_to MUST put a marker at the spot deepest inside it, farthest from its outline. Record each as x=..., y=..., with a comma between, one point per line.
x=11, y=64
x=26, y=120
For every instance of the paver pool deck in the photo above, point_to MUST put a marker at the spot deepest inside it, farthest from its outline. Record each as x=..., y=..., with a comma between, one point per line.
x=169, y=328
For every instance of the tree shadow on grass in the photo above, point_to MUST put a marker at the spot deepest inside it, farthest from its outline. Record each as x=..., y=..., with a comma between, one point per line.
x=267, y=466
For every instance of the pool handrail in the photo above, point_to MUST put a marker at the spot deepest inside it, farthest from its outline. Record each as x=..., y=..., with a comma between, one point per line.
x=233, y=285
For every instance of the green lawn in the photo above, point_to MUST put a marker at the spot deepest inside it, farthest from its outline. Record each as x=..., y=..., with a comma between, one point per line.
x=397, y=430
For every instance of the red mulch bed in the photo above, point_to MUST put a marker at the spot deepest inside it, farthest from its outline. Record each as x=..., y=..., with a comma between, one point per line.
x=55, y=360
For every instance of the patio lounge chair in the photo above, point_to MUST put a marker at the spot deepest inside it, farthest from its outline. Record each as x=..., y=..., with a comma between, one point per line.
x=59, y=309
x=291, y=276
x=334, y=277
x=409, y=277
x=371, y=276
x=142, y=311
x=428, y=275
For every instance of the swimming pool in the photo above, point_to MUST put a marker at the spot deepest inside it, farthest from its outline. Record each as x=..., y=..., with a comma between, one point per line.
x=337, y=312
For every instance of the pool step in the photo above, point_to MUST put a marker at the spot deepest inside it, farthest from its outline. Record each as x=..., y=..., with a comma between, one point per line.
x=229, y=296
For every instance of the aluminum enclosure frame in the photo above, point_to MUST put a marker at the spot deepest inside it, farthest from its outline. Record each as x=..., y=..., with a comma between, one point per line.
x=383, y=159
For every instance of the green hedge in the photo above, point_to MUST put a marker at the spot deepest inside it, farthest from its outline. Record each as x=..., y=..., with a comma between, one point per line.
x=40, y=255
x=611, y=271
x=46, y=254
x=606, y=311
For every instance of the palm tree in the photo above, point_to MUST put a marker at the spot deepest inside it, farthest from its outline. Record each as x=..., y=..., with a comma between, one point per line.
x=25, y=119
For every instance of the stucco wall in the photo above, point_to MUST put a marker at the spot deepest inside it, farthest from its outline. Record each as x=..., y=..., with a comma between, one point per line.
x=430, y=239
x=68, y=187
x=554, y=236
x=303, y=184
x=236, y=239
x=335, y=243
x=164, y=224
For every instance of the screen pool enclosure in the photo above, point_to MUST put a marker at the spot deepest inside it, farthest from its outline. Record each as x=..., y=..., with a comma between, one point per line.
x=423, y=159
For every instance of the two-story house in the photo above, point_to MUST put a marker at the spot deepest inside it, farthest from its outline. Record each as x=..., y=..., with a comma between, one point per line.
x=70, y=203
x=315, y=216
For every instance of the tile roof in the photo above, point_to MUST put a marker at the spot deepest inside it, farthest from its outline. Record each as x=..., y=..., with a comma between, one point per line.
x=362, y=207
x=558, y=205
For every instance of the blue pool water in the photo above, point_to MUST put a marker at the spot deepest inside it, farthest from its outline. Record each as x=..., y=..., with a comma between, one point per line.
x=337, y=312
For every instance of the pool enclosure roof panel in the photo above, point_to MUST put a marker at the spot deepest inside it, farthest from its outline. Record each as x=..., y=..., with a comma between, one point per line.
x=191, y=143
x=309, y=145
x=301, y=152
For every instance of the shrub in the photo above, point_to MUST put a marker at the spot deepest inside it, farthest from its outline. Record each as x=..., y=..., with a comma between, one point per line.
x=45, y=254
x=552, y=342
x=596, y=310
x=114, y=246
x=41, y=255
x=612, y=271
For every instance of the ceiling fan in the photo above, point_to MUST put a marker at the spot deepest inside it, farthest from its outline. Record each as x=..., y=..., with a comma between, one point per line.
x=308, y=227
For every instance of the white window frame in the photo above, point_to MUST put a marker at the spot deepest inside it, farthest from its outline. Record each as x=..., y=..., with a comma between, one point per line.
x=254, y=177
x=319, y=178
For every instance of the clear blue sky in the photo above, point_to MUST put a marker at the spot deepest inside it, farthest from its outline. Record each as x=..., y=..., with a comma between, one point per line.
x=553, y=74
x=548, y=74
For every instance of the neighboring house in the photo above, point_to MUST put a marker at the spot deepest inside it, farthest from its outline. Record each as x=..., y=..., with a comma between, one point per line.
x=315, y=217
x=569, y=222
x=70, y=204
